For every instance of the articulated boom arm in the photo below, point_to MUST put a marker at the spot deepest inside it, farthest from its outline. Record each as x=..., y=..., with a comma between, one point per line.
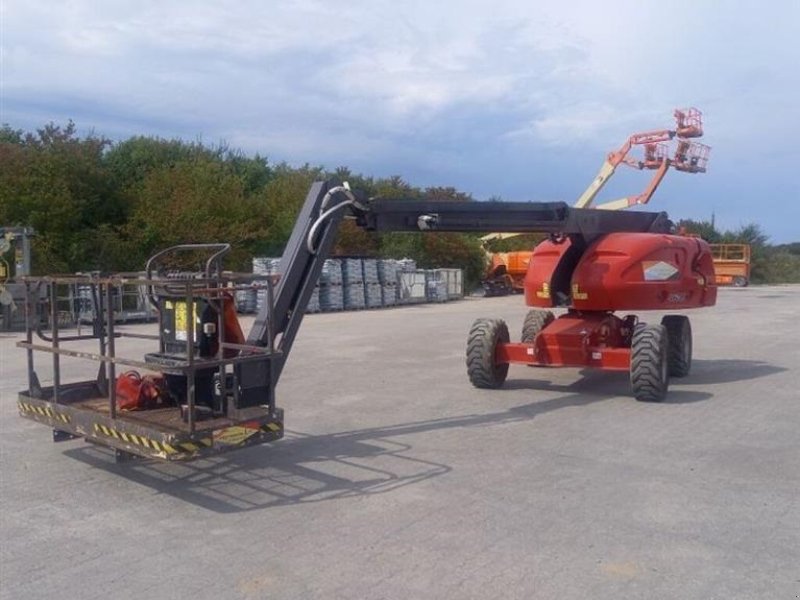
x=689, y=157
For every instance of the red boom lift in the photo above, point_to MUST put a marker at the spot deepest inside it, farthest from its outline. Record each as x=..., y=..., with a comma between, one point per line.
x=214, y=388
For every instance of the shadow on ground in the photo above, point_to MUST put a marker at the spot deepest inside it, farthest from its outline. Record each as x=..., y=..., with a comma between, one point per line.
x=305, y=468
x=707, y=372
x=614, y=383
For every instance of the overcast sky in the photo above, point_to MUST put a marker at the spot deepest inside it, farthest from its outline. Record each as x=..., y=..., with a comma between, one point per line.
x=510, y=98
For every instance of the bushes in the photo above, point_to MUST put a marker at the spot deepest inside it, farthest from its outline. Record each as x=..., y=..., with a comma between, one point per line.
x=102, y=205
x=98, y=205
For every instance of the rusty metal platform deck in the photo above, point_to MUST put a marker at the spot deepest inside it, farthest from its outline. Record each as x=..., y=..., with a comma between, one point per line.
x=159, y=433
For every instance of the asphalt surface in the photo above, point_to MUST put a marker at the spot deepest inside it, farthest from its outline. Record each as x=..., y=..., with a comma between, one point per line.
x=397, y=479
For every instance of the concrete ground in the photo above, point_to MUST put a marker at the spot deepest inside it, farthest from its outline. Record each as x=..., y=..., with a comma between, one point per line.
x=397, y=479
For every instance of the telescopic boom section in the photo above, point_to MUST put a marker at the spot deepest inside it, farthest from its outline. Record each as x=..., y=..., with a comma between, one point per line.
x=509, y=217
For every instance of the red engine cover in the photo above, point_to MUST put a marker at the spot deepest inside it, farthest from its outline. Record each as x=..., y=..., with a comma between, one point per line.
x=628, y=271
x=538, y=279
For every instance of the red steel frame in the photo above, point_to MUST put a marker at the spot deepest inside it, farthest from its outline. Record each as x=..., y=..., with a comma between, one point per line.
x=577, y=339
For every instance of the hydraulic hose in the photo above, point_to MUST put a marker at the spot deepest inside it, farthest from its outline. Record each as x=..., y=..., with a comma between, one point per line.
x=351, y=201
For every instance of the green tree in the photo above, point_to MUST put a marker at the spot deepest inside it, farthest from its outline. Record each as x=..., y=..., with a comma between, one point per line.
x=198, y=201
x=705, y=229
x=57, y=182
x=279, y=204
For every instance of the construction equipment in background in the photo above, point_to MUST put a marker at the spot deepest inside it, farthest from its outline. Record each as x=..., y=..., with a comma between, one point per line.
x=214, y=388
x=731, y=264
x=505, y=272
x=75, y=304
x=16, y=240
x=687, y=157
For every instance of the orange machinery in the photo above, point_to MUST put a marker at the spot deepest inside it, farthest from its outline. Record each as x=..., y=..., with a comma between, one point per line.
x=506, y=271
x=688, y=157
x=731, y=264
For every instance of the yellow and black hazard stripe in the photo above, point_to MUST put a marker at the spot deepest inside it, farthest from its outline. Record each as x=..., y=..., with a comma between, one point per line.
x=243, y=435
x=44, y=411
x=139, y=440
x=192, y=446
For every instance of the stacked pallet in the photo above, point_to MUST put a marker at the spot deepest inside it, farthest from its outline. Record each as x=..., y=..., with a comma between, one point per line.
x=314, y=305
x=388, y=272
x=331, y=272
x=373, y=298
x=370, y=270
x=247, y=301
x=407, y=265
x=264, y=266
x=353, y=283
x=356, y=283
x=331, y=292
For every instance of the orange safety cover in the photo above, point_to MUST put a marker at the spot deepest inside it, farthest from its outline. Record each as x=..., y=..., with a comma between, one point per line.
x=644, y=271
x=623, y=271
x=538, y=279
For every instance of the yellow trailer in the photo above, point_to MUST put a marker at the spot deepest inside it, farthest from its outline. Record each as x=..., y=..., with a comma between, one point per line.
x=731, y=264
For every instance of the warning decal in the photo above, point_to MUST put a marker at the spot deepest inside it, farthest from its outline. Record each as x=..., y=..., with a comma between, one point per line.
x=659, y=271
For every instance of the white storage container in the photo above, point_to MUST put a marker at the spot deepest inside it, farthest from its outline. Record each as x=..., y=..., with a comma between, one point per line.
x=412, y=287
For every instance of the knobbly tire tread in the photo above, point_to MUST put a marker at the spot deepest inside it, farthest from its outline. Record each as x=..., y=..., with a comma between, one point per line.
x=649, y=369
x=679, y=361
x=484, y=335
x=535, y=321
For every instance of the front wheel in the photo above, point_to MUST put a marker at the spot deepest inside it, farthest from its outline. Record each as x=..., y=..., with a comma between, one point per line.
x=739, y=282
x=649, y=363
x=484, y=336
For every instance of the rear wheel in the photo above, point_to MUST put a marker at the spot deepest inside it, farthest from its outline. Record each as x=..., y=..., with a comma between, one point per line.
x=739, y=282
x=649, y=363
x=679, y=334
x=535, y=321
x=484, y=336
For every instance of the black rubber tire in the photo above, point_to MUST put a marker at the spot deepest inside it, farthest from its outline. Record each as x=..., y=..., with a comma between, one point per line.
x=482, y=342
x=535, y=321
x=739, y=282
x=649, y=363
x=679, y=334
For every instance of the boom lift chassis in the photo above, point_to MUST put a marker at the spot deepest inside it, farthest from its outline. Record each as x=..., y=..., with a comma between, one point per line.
x=234, y=385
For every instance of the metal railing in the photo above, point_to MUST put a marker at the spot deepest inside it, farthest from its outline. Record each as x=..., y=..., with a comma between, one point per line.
x=44, y=321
